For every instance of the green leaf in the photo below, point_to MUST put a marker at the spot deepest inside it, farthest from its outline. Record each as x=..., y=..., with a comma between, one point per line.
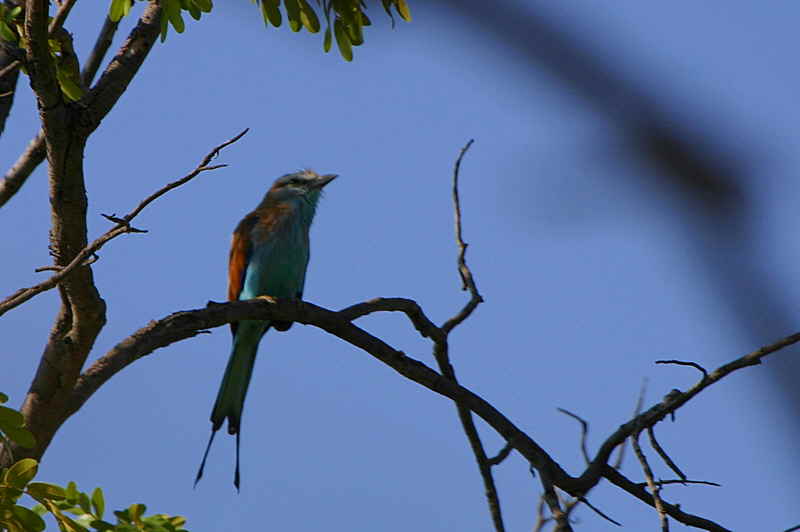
x=342, y=40
x=102, y=525
x=10, y=418
x=65, y=523
x=7, y=35
x=98, y=502
x=293, y=14
x=204, y=5
x=30, y=520
x=309, y=17
x=136, y=511
x=3, y=398
x=43, y=490
x=402, y=8
x=9, y=494
x=387, y=6
x=175, y=17
x=72, y=493
x=21, y=473
x=83, y=502
x=271, y=13
x=21, y=436
x=326, y=43
x=119, y=9
x=355, y=34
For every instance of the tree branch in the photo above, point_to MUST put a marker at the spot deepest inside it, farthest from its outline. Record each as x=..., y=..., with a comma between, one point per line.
x=672, y=510
x=35, y=153
x=82, y=314
x=38, y=62
x=674, y=401
x=123, y=67
x=187, y=324
x=655, y=490
x=122, y=227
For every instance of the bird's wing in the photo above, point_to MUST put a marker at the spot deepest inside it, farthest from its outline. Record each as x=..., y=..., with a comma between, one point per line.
x=239, y=258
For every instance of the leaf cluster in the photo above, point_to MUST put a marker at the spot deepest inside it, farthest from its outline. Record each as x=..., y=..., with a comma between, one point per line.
x=87, y=511
x=9, y=18
x=345, y=19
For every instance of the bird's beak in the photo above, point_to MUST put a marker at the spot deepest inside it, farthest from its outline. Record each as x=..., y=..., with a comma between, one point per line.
x=325, y=179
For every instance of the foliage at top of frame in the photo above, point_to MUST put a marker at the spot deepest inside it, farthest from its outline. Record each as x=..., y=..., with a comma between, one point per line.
x=87, y=511
x=345, y=19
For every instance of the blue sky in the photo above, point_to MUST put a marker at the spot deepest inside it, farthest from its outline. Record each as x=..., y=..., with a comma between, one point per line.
x=591, y=266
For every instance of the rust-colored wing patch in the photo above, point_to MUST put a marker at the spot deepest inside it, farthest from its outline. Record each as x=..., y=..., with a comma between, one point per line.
x=239, y=257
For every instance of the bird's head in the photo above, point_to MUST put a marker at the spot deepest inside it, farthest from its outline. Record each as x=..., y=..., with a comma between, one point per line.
x=305, y=185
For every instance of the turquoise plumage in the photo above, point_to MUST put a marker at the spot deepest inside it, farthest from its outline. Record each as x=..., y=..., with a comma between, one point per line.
x=269, y=256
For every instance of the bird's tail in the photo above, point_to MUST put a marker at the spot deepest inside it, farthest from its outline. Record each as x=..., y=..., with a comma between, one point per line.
x=233, y=389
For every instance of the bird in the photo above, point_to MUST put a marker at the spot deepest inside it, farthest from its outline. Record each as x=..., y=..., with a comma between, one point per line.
x=268, y=257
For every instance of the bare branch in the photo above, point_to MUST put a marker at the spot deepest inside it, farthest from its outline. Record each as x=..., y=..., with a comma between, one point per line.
x=684, y=363
x=468, y=282
x=9, y=68
x=103, y=42
x=584, y=432
x=442, y=355
x=35, y=153
x=182, y=325
x=502, y=455
x=123, y=67
x=596, y=510
x=636, y=411
x=664, y=456
x=676, y=399
x=123, y=226
x=655, y=490
x=683, y=482
x=674, y=511
x=41, y=69
x=551, y=499
x=61, y=15
x=395, y=304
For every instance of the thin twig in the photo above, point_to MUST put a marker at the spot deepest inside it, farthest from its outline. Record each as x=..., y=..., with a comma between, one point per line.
x=636, y=411
x=12, y=66
x=502, y=455
x=467, y=281
x=442, y=356
x=123, y=226
x=655, y=490
x=685, y=363
x=597, y=511
x=683, y=482
x=541, y=518
x=673, y=510
x=103, y=42
x=551, y=498
x=664, y=456
x=584, y=432
x=61, y=16
x=34, y=153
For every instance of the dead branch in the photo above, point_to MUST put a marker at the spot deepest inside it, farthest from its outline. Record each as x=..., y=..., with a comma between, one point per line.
x=655, y=490
x=584, y=432
x=122, y=227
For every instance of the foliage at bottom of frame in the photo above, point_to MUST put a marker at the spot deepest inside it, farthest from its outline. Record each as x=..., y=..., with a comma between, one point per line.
x=85, y=512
